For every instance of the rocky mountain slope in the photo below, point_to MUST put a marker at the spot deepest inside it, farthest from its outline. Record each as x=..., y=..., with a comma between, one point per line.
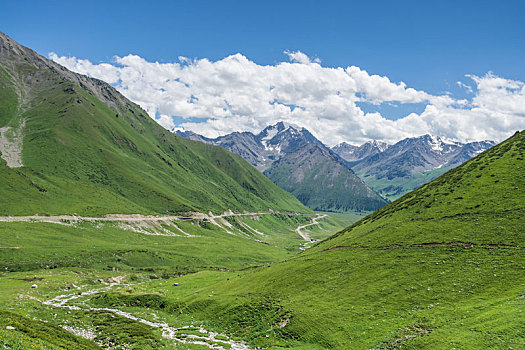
x=322, y=180
x=261, y=149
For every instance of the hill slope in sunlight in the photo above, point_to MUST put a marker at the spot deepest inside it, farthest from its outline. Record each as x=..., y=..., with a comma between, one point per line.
x=72, y=144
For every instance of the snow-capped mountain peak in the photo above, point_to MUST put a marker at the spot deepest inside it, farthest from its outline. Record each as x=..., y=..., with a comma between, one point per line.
x=353, y=153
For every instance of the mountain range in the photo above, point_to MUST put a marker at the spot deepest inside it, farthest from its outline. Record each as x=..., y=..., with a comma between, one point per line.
x=298, y=162
x=397, y=169
x=261, y=149
x=389, y=170
x=353, y=153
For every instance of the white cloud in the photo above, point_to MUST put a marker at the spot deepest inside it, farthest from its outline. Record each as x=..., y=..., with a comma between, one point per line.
x=499, y=95
x=299, y=57
x=166, y=121
x=468, y=88
x=236, y=94
x=105, y=70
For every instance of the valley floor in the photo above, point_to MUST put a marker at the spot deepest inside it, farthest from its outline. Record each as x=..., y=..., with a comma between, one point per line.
x=73, y=261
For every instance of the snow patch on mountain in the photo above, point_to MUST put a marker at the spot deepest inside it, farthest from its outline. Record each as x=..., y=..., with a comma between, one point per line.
x=435, y=143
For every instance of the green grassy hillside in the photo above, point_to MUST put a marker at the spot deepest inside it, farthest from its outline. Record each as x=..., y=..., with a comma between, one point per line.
x=442, y=267
x=395, y=188
x=86, y=149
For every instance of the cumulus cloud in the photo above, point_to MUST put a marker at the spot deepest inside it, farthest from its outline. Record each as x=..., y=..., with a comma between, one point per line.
x=236, y=94
x=105, y=70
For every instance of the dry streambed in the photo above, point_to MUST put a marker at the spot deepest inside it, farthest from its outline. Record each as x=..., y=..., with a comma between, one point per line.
x=186, y=335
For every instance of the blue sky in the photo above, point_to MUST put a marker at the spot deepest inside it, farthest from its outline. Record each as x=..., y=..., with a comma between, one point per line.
x=429, y=45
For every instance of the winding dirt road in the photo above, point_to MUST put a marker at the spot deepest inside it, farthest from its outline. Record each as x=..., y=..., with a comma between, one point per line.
x=305, y=235
x=61, y=219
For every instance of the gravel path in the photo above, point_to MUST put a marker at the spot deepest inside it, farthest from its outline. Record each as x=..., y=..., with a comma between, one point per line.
x=61, y=219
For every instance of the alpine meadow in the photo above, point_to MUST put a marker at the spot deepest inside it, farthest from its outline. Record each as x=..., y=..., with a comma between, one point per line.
x=231, y=203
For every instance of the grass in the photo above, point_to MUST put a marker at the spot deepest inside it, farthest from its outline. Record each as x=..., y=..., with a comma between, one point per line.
x=30, y=334
x=32, y=246
x=448, y=296
x=385, y=293
x=346, y=219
